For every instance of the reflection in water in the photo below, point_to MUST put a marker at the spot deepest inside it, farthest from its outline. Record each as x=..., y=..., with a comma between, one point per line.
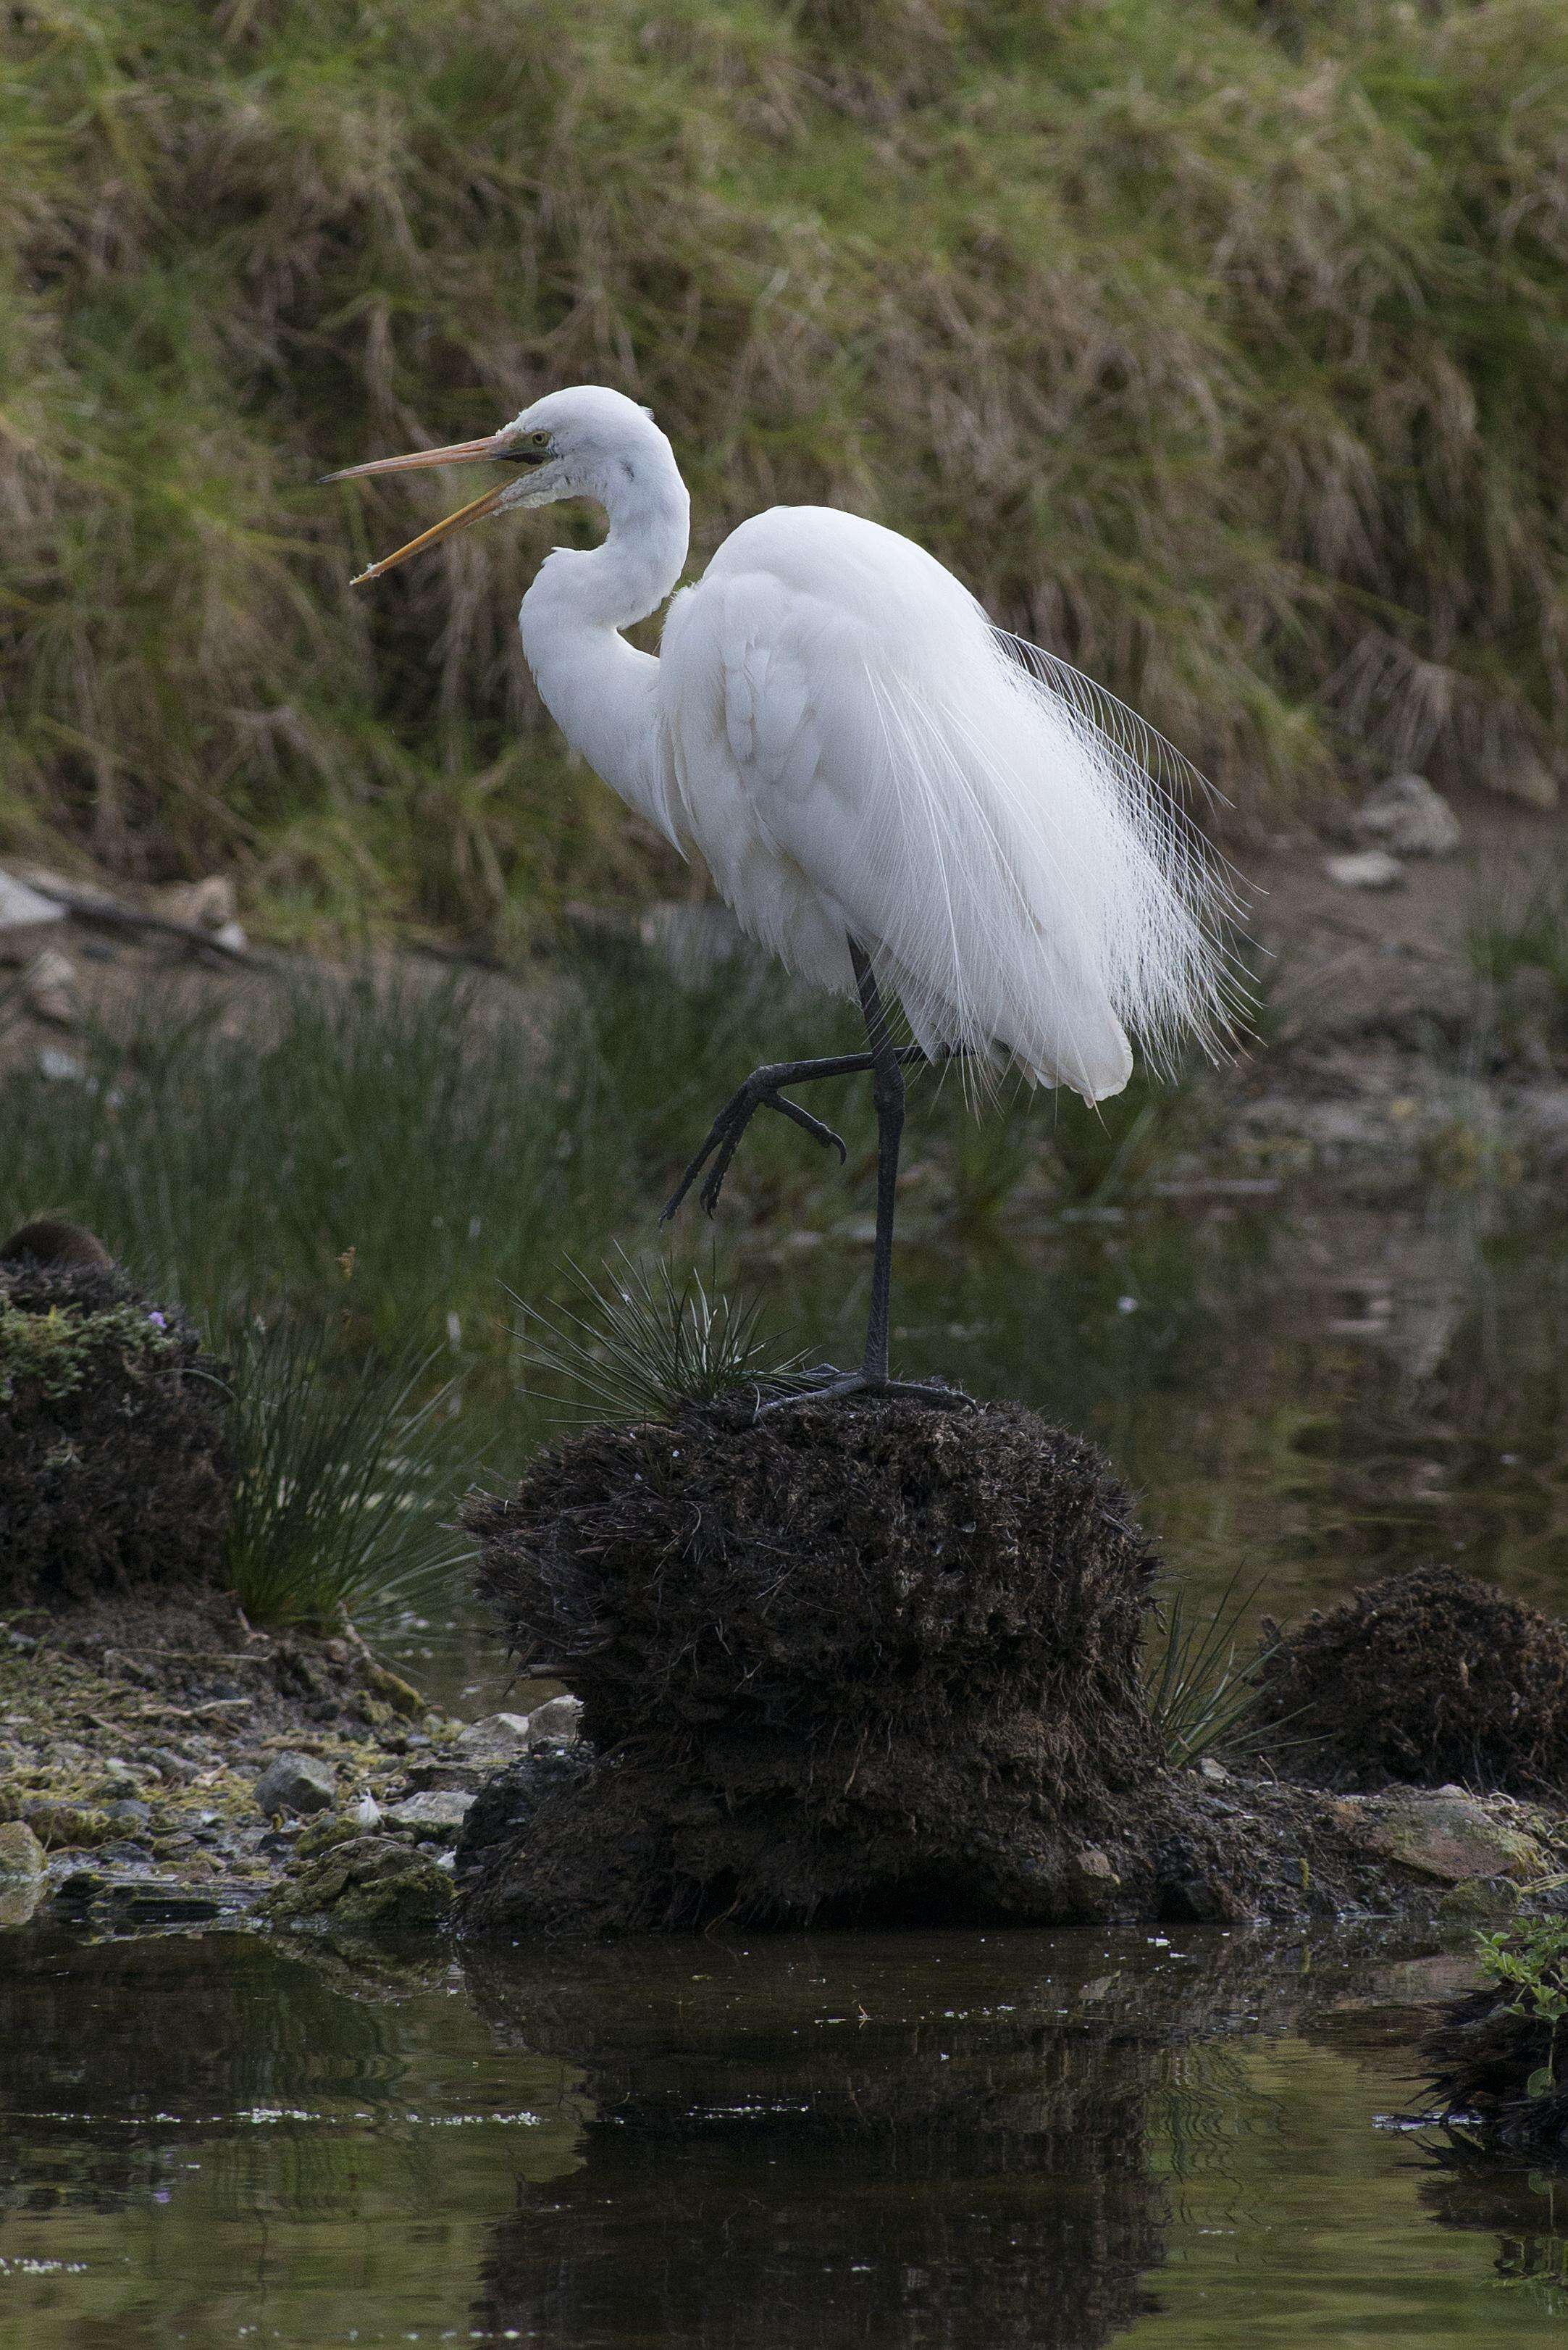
x=957, y=2141
x=791, y=2178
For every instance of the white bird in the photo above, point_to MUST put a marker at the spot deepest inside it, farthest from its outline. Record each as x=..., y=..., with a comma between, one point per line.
x=891, y=793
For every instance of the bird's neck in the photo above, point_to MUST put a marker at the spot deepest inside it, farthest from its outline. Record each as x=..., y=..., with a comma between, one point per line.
x=601, y=691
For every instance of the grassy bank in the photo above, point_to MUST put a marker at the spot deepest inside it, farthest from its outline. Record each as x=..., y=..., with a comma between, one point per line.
x=1222, y=348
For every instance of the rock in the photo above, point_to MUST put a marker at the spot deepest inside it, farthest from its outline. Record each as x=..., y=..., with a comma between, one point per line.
x=1446, y=1834
x=1365, y=868
x=232, y=936
x=556, y=1723
x=1407, y=817
x=68, y=1824
x=128, y=1816
x=1481, y=1900
x=504, y=1806
x=21, y=1854
x=24, y=912
x=373, y=1881
x=206, y=905
x=436, y=1817
x=49, y=986
x=501, y=1737
x=296, y=1782
x=59, y=1067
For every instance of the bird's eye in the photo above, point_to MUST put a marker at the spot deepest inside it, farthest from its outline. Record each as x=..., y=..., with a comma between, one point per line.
x=529, y=448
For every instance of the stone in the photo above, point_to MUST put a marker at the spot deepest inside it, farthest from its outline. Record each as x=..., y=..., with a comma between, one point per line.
x=21, y=1854
x=24, y=912
x=1407, y=817
x=1365, y=868
x=296, y=1782
x=502, y=1737
x=437, y=1816
x=50, y=986
x=1481, y=1900
x=1446, y=1835
x=68, y=1824
x=128, y=1816
x=374, y=1881
x=206, y=905
x=556, y=1723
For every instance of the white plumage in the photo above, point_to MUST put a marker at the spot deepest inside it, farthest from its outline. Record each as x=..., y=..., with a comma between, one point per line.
x=862, y=759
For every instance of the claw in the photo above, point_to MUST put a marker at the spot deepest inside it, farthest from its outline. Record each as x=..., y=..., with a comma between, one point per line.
x=724, y=1138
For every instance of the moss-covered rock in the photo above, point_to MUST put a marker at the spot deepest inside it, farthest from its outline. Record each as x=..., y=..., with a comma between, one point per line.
x=114, y=1466
x=371, y=1881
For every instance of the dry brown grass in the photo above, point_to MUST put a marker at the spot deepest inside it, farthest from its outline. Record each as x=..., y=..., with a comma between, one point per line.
x=1222, y=348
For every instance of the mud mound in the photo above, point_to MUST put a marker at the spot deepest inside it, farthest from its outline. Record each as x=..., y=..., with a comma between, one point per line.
x=113, y=1460
x=1425, y=1677
x=879, y=1661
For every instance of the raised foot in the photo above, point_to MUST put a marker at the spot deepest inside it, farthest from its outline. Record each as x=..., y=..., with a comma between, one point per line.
x=723, y=1140
x=833, y=1384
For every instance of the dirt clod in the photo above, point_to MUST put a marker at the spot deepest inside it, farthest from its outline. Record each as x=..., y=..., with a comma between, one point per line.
x=883, y=1660
x=1425, y=1678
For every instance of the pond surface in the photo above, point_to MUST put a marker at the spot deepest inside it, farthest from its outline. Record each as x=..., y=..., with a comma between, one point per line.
x=956, y=2140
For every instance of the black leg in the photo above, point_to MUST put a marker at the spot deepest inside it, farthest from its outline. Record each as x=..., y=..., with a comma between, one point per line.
x=887, y=1094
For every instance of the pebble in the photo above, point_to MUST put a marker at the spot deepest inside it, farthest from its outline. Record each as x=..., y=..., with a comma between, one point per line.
x=1409, y=817
x=1365, y=868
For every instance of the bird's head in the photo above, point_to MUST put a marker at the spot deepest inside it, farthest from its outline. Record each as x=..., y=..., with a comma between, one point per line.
x=584, y=443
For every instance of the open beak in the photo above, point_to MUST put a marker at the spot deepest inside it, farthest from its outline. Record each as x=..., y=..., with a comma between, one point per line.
x=459, y=453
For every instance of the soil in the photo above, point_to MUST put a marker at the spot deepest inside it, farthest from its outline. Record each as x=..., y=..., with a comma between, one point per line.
x=1423, y=1678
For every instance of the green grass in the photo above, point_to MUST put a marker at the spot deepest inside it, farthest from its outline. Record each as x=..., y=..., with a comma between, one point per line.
x=348, y=1481
x=1222, y=346
x=1524, y=927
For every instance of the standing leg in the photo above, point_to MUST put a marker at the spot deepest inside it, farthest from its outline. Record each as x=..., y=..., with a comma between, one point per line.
x=887, y=1094
x=873, y=1378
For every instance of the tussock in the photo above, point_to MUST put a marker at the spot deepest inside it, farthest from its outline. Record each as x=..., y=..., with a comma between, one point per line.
x=114, y=1464
x=879, y=1661
x=1219, y=350
x=1425, y=1677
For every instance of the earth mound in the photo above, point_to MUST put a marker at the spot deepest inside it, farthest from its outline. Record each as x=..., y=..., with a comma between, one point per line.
x=874, y=1662
x=1425, y=1678
x=114, y=1465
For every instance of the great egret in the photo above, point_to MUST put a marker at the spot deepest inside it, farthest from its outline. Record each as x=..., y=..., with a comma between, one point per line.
x=889, y=793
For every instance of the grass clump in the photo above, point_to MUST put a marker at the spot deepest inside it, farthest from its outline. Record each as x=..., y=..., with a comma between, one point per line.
x=1525, y=927
x=115, y=1464
x=642, y=1344
x=346, y=1476
x=1202, y=1692
x=1220, y=347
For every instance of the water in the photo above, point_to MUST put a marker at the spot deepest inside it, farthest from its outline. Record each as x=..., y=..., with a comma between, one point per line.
x=848, y=2142
x=1052, y=2139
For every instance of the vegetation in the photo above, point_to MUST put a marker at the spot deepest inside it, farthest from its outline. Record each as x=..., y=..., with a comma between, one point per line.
x=345, y=1488
x=1529, y=1961
x=1524, y=927
x=1220, y=346
x=645, y=1341
x=1202, y=1695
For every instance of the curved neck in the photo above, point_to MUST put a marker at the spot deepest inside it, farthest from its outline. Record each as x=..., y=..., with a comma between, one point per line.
x=601, y=692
